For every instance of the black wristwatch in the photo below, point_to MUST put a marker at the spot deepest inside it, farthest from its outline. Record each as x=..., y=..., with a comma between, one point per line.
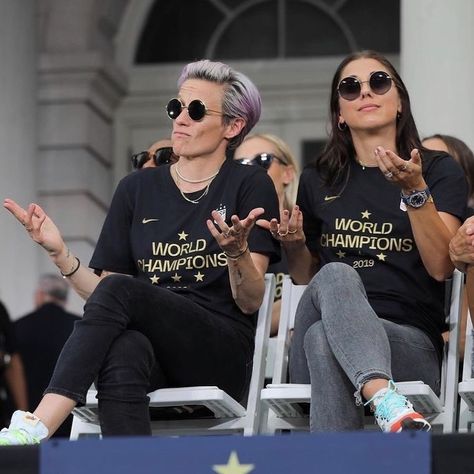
x=416, y=198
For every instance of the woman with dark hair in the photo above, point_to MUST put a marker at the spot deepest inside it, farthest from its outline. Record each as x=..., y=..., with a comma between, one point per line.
x=370, y=235
x=461, y=153
x=178, y=269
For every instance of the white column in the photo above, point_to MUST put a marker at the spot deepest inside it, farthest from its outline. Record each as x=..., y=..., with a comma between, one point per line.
x=437, y=65
x=18, y=255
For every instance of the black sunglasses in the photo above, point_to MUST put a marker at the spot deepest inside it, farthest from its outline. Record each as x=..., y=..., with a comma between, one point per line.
x=162, y=156
x=379, y=82
x=196, y=109
x=263, y=159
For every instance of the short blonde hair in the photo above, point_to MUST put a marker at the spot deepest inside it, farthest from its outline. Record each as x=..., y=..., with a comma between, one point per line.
x=285, y=153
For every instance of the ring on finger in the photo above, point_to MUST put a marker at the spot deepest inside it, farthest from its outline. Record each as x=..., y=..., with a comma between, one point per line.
x=28, y=229
x=403, y=168
x=282, y=234
x=388, y=174
x=292, y=231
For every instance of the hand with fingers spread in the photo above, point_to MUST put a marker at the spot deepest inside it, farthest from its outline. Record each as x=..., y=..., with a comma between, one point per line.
x=38, y=225
x=233, y=239
x=290, y=227
x=405, y=173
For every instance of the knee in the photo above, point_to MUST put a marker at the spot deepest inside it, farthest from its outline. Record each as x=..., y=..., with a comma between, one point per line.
x=131, y=352
x=113, y=283
x=315, y=340
x=335, y=275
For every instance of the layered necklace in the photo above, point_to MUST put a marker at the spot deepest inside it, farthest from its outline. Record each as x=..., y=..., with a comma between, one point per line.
x=179, y=177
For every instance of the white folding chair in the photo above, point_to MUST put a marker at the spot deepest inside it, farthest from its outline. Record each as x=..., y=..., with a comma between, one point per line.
x=466, y=386
x=285, y=404
x=224, y=414
x=282, y=403
x=441, y=411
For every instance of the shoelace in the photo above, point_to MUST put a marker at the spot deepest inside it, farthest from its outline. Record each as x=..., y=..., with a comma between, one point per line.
x=392, y=404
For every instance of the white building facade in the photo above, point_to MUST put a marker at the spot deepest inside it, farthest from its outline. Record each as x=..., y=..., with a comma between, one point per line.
x=76, y=101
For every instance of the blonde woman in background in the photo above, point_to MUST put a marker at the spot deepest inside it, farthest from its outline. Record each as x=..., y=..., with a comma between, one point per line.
x=274, y=155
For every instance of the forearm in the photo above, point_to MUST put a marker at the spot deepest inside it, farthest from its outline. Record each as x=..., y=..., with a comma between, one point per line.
x=83, y=280
x=432, y=237
x=15, y=378
x=247, y=281
x=302, y=265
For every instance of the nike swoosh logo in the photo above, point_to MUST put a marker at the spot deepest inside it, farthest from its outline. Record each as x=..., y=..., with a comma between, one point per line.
x=146, y=221
x=330, y=198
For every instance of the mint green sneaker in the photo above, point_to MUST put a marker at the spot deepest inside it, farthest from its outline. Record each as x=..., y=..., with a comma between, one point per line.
x=394, y=412
x=25, y=428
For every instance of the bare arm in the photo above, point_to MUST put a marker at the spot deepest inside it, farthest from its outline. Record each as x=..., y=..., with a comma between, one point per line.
x=44, y=232
x=246, y=270
x=432, y=230
x=15, y=379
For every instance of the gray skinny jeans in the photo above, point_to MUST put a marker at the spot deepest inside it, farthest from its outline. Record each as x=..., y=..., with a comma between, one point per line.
x=339, y=343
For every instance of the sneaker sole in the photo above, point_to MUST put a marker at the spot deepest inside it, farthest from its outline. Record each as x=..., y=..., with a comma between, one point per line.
x=412, y=422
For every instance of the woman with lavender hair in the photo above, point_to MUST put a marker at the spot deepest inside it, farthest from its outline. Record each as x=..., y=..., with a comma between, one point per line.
x=184, y=234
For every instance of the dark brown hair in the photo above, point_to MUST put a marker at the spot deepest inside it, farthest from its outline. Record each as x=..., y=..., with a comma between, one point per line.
x=333, y=163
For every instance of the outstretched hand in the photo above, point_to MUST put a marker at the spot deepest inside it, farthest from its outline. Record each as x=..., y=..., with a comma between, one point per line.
x=405, y=173
x=38, y=225
x=233, y=239
x=290, y=227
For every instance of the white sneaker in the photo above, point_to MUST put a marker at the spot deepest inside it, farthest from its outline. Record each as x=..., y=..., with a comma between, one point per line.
x=395, y=413
x=25, y=428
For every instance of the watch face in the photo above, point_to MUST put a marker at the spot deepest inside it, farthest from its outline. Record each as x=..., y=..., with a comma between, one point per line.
x=417, y=199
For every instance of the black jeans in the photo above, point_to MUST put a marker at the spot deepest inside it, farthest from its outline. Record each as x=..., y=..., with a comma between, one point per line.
x=132, y=331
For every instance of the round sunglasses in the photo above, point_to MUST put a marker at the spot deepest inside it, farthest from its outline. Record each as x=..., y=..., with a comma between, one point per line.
x=197, y=110
x=350, y=87
x=263, y=159
x=162, y=156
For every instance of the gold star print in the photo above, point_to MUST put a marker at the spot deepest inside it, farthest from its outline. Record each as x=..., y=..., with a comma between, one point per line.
x=199, y=276
x=341, y=254
x=182, y=235
x=233, y=466
x=381, y=256
x=176, y=278
x=154, y=280
x=365, y=214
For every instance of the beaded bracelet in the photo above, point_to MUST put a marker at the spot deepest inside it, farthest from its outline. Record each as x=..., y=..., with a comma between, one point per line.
x=66, y=275
x=236, y=257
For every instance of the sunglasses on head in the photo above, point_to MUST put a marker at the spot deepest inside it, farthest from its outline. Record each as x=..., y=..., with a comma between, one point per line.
x=350, y=87
x=263, y=159
x=196, y=109
x=162, y=156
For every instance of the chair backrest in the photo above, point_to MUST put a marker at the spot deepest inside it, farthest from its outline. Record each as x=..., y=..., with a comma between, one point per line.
x=262, y=334
x=450, y=365
x=290, y=298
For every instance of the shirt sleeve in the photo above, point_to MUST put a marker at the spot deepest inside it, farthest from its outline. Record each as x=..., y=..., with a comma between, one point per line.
x=113, y=251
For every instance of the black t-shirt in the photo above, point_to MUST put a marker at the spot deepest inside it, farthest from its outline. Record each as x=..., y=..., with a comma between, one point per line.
x=154, y=234
x=7, y=336
x=365, y=228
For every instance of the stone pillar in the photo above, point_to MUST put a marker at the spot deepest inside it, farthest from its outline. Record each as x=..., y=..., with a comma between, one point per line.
x=437, y=64
x=18, y=255
x=78, y=95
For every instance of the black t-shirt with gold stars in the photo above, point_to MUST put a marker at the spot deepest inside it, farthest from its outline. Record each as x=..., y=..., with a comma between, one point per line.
x=365, y=228
x=154, y=234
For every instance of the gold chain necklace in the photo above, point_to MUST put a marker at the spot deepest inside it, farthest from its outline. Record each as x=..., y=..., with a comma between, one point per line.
x=194, y=181
x=206, y=189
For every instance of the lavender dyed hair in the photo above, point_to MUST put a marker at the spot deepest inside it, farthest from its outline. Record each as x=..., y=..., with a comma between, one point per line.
x=241, y=96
